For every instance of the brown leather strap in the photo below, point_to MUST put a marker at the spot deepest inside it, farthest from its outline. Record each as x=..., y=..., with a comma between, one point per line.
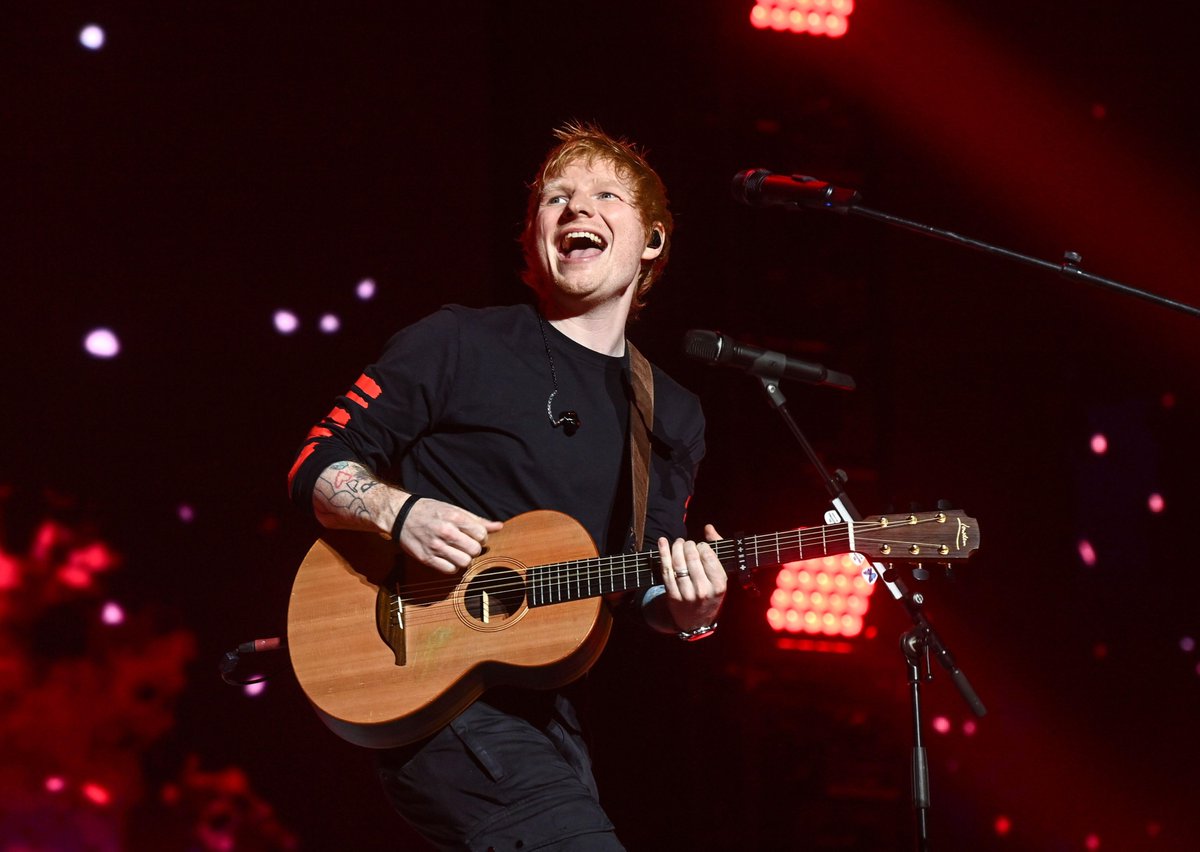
x=641, y=424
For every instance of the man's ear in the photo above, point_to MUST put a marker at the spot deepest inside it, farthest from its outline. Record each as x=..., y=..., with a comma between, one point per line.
x=654, y=246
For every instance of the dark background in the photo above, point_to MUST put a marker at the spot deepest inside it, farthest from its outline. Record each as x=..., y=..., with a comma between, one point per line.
x=218, y=161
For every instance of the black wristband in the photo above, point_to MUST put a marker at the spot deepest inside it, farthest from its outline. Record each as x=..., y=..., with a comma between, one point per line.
x=402, y=516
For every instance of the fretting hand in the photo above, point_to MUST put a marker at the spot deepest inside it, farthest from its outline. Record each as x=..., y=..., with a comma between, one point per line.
x=695, y=580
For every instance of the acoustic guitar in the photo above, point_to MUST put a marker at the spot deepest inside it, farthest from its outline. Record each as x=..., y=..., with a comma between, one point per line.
x=388, y=651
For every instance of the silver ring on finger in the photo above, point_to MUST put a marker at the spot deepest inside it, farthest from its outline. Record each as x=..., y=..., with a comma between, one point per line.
x=679, y=575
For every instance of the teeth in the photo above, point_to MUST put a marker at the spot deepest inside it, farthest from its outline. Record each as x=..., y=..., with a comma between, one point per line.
x=583, y=235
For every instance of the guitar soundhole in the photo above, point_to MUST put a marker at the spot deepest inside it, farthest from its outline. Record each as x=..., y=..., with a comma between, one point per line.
x=494, y=596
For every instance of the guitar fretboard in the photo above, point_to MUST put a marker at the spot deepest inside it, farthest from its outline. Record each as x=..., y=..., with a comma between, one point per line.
x=559, y=582
x=587, y=578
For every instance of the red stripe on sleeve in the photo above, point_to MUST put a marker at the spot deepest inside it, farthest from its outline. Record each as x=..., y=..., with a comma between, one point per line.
x=304, y=454
x=368, y=386
x=355, y=398
x=318, y=432
x=339, y=415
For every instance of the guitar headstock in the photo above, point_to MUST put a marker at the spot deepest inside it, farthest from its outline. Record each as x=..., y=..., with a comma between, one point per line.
x=942, y=536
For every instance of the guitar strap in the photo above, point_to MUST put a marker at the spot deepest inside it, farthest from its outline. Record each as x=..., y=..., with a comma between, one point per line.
x=641, y=424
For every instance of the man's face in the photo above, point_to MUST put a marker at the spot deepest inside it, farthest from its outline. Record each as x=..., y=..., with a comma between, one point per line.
x=590, y=238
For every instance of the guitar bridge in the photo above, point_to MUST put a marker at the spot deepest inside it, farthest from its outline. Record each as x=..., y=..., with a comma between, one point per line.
x=389, y=619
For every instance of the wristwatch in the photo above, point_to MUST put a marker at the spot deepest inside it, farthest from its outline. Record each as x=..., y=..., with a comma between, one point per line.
x=698, y=634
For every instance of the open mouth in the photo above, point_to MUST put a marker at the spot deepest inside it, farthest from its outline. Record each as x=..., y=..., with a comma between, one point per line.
x=580, y=245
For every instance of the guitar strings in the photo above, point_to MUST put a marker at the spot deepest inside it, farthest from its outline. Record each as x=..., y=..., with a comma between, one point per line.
x=443, y=609
x=558, y=587
x=607, y=566
x=603, y=567
x=559, y=574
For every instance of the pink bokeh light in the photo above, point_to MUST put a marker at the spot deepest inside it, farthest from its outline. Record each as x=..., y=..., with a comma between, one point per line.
x=286, y=322
x=92, y=37
x=102, y=343
x=112, y=614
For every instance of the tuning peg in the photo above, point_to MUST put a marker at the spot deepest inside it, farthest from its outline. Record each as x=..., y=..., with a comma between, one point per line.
x=920, y=572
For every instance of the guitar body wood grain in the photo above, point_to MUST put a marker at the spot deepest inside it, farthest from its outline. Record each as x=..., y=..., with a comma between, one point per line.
x=460, y=634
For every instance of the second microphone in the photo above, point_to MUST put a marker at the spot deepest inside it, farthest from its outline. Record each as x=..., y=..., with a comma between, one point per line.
x=716, y=348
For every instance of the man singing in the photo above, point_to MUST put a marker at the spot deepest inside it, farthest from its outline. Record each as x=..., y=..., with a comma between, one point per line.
x=475, y=416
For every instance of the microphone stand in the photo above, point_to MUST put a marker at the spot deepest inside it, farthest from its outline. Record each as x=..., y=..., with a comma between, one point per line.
x=916, y=644
x=1068, y=268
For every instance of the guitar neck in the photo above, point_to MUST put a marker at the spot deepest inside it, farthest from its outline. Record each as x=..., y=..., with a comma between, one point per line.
x=937, y=536
x=559, y=582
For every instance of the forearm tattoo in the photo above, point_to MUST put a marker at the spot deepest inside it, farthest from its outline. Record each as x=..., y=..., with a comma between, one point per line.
x=340, y=494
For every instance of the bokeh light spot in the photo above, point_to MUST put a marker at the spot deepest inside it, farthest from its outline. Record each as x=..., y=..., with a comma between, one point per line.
x=1099, y=444
x=365, y=289
x=95, y=793
x=112, y=614
x=10, y=572
x=92, y=37
x=1156, y=503
x=74, y=576
x=286, y=322
x=102, y=343
x=1086, y=552
x=330, y=323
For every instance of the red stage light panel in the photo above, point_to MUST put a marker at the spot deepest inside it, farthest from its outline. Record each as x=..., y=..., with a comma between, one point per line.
x=815, y=17
x=820, y=597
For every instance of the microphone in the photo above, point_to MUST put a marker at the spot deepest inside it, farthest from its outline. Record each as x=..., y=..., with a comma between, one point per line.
x=569, y=420
x=717, y=348
x=760, y=188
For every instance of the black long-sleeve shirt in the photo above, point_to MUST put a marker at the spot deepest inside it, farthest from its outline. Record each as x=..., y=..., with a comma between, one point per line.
x=455, y=409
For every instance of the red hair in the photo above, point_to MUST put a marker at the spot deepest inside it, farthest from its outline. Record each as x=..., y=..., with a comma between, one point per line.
x=583, y=141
